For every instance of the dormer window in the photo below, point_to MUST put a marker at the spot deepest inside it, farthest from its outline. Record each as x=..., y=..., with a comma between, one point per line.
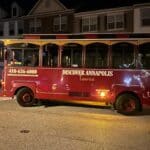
x=14, y=10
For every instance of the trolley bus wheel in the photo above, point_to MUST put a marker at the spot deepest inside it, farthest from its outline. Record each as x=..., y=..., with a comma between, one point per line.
x=25, y=97
x=127, y=104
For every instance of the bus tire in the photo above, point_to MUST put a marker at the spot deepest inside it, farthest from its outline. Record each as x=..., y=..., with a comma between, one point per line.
x=127, y=104
x=25, y=97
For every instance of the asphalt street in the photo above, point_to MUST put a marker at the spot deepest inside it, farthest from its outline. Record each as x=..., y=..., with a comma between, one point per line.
x=63, y=126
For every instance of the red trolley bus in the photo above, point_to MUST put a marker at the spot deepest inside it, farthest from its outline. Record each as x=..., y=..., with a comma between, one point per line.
x=110, y=68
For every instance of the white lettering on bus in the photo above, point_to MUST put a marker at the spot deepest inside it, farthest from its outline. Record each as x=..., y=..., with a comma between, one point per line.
x=22, y=71
x=99, y=73
x=88, y=72
x=73, y=72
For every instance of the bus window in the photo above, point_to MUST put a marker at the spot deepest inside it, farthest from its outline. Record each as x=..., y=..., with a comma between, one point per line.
x=72, y=55
x=50, y=55
x=144, y=50
x=96, y=55
x=31, y=57
x=23, y=55
x=122, y=55
x=1, y=55
x=1, y=58
x=14, y=57
x=137, y=62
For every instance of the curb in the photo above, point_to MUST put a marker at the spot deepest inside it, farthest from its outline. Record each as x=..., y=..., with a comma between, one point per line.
x=5, y=98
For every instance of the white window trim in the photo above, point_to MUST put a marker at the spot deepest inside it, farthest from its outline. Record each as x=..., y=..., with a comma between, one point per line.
x=141, y=17
x=38, y=23
x=115, y=28
x=32, y=25
x=60, y=23
x=89, y=23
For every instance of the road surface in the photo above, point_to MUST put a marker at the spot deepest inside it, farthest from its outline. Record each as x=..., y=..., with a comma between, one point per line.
x=60, y=126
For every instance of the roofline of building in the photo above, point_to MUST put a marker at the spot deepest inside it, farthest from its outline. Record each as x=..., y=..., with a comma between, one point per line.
x=103, y=11
x=50, y=13
x=30, y=12
x=142, y=4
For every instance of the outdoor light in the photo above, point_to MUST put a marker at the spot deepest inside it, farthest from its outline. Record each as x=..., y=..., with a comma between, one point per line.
x=103, y=93
x=128, y=81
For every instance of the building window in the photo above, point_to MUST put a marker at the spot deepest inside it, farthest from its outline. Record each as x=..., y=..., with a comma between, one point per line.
x=31, y=26
x=11, y=28
x=38, y=25
x=89, y=24
x=145, y=17
x=14, y=11
x=115, y=22
x=35, y=26
x=20, y=27
x=63, y=23
x=1, y=29
x=56, y=24
x=60, y=24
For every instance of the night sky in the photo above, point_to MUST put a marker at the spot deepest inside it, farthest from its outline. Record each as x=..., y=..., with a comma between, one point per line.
x=79, y=5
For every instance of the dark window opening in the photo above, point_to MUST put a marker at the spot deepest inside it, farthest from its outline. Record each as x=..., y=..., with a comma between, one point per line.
x=72, y=55
x=1, y=33
x=1, y=52
x=96, y=56
x=11, y=32
x=12, y=28
x=14, y=11
x=1, y=29
x=20, y=27
x=122, y=55
x=50, y=55
x=144, y=50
